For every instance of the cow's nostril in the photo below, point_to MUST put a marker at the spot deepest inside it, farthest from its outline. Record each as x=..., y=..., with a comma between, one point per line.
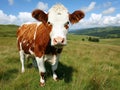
x=55, y=41
x=63, y=40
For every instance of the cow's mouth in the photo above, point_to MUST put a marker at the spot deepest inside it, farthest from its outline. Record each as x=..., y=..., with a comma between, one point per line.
x=59, y=45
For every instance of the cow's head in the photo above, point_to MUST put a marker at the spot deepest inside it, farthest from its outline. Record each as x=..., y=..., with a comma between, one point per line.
x=58, y=17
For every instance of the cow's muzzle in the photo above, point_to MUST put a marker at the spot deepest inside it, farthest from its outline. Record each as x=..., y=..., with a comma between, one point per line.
x=59, y=42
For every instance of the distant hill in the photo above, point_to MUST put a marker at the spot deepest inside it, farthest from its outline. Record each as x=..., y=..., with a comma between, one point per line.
x=8, y=30
x=104, y=32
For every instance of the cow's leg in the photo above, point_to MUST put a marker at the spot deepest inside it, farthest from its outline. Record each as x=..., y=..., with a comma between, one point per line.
x=33, y=60
x=22, y=59
x=42, y=70
x=54, y=66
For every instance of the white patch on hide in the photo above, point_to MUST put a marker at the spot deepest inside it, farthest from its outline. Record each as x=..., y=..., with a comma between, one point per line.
x=36, y=29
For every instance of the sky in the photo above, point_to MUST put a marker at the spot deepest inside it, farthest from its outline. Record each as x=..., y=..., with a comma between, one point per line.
x=98, y=13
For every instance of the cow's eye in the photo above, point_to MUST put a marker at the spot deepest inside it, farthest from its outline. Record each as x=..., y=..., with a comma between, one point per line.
x=49, y=23
x=67, y=22
x=66, y=25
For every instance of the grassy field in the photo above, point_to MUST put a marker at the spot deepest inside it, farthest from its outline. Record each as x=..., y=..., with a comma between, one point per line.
x=8, y=30
x=83, y=66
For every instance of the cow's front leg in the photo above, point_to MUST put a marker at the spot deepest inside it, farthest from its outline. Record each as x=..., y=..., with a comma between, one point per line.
x=42, y=70
x=54, y=66
x=22, y=59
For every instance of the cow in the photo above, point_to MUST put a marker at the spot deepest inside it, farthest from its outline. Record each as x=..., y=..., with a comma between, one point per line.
x=44, y=40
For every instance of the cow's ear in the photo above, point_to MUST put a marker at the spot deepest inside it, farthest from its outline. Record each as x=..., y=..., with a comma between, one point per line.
x=76, y=16
x=40, y=15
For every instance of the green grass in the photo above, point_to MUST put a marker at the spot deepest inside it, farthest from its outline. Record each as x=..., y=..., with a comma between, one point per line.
x=8, y=30
x=114, y=41
x=83, y=66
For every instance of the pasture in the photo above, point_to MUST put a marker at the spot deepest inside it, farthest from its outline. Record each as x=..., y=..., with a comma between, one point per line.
x=83, y=66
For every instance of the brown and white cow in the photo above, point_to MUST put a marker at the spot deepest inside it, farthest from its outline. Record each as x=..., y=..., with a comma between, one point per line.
x=45, y=40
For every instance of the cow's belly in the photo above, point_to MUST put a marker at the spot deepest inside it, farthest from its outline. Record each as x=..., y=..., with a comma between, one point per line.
x=48, y=57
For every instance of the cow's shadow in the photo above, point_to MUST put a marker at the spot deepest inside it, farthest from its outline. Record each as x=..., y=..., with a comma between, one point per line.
x=64, y=72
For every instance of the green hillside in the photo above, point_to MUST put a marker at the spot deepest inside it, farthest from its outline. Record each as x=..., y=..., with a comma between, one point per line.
x=83, y=66
x=105, y=32
x=8, y=30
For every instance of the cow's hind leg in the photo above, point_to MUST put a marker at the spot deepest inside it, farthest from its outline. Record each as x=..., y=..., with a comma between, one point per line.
x=34, y=63
x=22, y=59
x=42, y=70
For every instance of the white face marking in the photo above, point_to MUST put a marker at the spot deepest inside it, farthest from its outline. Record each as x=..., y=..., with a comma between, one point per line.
x=58, y=17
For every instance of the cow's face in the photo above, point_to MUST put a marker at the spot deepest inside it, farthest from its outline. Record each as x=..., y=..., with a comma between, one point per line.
x=59, y=18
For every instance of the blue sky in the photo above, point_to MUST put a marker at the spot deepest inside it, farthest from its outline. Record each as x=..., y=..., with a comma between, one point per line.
x=98, y=13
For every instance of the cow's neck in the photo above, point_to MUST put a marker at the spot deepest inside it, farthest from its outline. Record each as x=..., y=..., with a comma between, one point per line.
x=52, y=50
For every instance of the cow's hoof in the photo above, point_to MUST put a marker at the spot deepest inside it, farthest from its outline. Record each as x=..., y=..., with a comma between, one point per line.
x=42, y=84
x=22, y=71
x=56, y=79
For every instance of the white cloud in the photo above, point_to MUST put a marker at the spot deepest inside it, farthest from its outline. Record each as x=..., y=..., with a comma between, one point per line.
x=111, y=20
x=11, y=2
x=98, y=20
x=7, y=19
x=90, y=7
x=107, y=4
x=109, y=10
x=42, y=6
x=22, y=17
x=95, y=18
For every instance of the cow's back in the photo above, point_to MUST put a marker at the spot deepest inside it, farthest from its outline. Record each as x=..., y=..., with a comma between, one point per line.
x=26, y=28
x=25, y=36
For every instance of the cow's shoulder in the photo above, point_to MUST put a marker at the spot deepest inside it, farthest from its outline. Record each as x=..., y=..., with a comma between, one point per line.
x=42, y=35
